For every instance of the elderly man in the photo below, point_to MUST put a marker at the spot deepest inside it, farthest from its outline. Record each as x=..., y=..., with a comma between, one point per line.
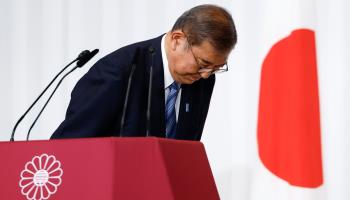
x=122, y=96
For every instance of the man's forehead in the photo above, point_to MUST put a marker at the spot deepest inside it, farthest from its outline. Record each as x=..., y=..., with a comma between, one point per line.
x=209, y=55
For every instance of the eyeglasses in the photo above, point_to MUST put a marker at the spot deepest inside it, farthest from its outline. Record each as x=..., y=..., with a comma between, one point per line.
x=207, y=69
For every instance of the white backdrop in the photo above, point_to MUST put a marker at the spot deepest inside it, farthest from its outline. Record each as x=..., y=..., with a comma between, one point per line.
x=38, y=37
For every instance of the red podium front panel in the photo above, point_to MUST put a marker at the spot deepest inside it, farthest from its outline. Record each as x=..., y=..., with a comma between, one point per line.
x=106, y=168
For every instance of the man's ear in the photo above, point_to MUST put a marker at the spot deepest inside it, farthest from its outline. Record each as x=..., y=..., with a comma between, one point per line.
x=176, y=38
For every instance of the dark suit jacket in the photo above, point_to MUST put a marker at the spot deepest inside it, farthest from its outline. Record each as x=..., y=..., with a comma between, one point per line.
x=97, y=100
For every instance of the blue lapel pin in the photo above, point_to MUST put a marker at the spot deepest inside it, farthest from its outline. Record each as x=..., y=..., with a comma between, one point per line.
x=187, y=107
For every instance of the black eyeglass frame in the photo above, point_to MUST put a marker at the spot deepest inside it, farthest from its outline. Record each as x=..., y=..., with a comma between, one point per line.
x=211, y=70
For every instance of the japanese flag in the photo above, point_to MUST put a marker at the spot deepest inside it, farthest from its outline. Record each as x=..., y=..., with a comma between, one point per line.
x=288, y=129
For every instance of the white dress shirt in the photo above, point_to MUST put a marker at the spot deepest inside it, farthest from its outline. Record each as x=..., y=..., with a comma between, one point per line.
x=168, y=79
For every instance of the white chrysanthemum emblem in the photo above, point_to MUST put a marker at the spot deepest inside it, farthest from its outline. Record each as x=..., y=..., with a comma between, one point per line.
x=41, y=177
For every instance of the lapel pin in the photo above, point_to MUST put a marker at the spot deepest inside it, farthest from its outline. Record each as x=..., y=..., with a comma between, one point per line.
x=187, y=107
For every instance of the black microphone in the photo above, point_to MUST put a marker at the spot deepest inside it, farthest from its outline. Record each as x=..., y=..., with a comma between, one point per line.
x=126, y=99
x=83, y=57
x=151, y=51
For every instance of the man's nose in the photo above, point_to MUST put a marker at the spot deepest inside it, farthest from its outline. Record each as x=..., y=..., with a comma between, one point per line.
x=205, y=75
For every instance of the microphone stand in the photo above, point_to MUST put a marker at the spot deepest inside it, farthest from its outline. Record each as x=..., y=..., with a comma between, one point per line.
x=149, y=99
x=37, y=99
x=83, y=58
x=47, y=101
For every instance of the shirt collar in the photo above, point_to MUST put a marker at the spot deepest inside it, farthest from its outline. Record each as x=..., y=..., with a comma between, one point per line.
x=168, y=79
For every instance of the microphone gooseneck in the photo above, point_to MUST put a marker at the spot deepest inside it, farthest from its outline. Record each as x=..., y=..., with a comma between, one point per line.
x=83, y=57
x=151, y=51
x=127, y=94
x=47, y=101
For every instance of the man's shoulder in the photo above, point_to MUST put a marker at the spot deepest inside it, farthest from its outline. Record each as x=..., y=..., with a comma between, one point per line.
x=119, y=61
x=128, y=52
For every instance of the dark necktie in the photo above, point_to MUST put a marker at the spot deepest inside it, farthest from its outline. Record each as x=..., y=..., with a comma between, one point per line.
x=170, y=114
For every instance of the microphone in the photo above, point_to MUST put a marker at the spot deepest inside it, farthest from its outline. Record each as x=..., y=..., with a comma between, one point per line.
x=151, y=51
x=126, y=99
x=83, y=58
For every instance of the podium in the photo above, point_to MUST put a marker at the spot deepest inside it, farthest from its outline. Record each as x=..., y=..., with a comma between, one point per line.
x=144, y=168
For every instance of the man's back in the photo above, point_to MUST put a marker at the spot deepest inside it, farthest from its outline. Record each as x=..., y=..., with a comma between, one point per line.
x=97, y=100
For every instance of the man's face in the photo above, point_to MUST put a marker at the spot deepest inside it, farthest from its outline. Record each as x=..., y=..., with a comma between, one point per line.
x=185, y=60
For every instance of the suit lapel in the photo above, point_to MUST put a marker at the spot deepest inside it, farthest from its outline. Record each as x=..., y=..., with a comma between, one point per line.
x=158, y=94
x=188, y=112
